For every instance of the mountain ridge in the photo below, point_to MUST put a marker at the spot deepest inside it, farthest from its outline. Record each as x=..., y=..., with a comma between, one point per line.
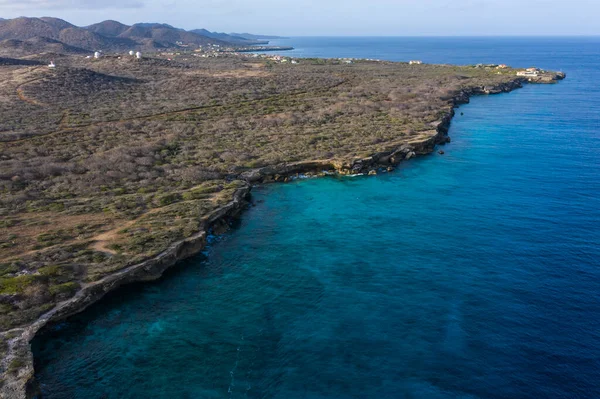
x=109, y=35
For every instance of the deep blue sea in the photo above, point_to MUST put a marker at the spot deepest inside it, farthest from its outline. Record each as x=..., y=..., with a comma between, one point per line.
x=474, y=274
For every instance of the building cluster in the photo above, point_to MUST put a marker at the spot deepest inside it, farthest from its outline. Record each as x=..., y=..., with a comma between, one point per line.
x=415, y=62
x=211, y=50
x=280, y=59
x=530, y=72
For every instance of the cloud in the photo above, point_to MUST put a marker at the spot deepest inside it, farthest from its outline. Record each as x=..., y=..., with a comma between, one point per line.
x=68, y=4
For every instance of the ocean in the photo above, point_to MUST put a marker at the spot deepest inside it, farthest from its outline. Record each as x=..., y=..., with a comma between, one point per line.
x=473, y=274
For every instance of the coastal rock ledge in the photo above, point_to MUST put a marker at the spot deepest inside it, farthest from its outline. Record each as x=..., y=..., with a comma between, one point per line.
x=18, y=378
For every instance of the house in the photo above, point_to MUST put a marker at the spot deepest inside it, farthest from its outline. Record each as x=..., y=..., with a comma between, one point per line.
x=502, y=66
x=415, y=62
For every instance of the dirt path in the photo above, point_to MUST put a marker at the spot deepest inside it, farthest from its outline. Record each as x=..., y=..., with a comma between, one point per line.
x=102, y=240
x=21, y=93
x=63, y=119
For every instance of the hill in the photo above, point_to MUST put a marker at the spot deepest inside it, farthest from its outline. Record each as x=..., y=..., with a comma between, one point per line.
x=229, y=38
x=37, y=45
x=80, y=37
x=108, y=28
x=56, y=29
x=15, y=62
x=57, y=23
x=167, y=36
x=26, y=28
x=107, y=35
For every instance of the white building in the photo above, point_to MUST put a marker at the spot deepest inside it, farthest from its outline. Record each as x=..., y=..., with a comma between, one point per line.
x=138, y=55
x=51, y=65
x=97, y=54
x=415, y=62
x=131, y=52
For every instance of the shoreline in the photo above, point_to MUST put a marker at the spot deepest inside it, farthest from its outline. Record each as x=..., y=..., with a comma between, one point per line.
x=20, y=384
x=264, y=49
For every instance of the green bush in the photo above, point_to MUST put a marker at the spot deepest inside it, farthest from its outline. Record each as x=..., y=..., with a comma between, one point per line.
x=15, y=365
x=50, y=271
x=199, y=193
x=16, y=285
x=169, y=199
x=6, y=268
x=66, y=288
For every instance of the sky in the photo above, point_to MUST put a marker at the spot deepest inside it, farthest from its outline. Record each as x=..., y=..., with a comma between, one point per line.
x=333, y=17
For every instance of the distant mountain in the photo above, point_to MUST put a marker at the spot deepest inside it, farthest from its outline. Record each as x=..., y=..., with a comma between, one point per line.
x=56, y=35
x=57, y=23
x=83, y=38
x=154, y=25
x=57, y=29
x=108, y=28
x=229, y=38
x=107, y=35
x=37, y=45
x=168, y=36
x=250, y=36
x=26, y=28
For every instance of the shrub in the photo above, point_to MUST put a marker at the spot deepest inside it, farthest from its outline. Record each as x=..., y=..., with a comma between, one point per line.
x=66, y=289
x=7, y=268
x=50, y=271
x=169, y=199
x=16, y=285
x=15, y=365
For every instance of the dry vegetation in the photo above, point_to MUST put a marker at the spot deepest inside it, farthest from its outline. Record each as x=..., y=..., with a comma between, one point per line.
x=104, y=163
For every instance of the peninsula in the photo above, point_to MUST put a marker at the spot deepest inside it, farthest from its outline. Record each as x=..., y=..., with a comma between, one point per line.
x=114, y=168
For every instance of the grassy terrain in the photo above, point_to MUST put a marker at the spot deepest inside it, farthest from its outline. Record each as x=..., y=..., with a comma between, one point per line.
x=104, y=163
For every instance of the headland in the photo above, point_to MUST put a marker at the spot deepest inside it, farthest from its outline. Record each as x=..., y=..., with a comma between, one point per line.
x=117, y=167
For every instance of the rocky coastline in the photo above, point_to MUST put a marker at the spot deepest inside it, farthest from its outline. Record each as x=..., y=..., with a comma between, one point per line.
x=18, y=380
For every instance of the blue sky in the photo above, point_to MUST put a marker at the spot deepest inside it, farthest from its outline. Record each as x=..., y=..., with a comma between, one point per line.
x=334, y=17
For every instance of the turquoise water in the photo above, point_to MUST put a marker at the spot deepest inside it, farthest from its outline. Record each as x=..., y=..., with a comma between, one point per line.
x=473, y=274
